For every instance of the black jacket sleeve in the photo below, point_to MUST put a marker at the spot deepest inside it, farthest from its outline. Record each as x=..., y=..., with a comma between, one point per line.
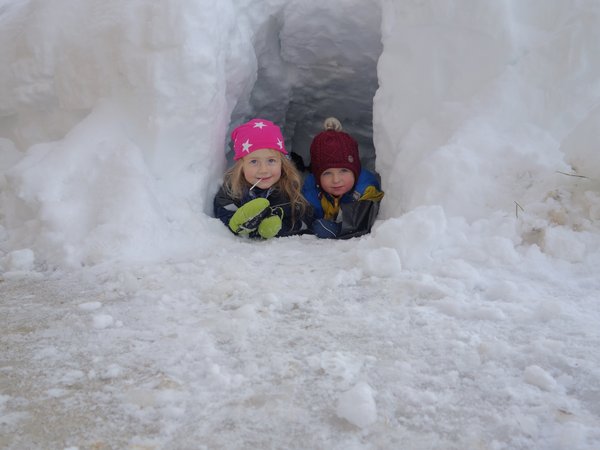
x=358, y=218
x=296, y=223
x=224, y=206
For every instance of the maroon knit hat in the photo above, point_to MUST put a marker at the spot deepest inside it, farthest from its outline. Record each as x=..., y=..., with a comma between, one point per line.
x=334, y=149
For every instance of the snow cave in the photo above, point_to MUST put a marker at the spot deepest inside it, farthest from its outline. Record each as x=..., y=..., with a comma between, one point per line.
x=466, y=112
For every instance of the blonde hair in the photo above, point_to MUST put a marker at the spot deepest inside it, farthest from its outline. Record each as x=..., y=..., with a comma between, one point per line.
x=290, y=184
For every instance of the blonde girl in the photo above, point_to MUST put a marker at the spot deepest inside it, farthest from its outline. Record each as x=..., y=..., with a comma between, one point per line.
x=261, y=194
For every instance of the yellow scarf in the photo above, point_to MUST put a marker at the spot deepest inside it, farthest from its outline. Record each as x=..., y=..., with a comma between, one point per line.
x=331, y=210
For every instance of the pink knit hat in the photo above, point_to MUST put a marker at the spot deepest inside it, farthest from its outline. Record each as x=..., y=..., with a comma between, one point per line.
x=255, y=135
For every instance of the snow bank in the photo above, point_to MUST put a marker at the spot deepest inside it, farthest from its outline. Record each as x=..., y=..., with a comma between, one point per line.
x=481, y=103
x=118, y=115
x=487, y=110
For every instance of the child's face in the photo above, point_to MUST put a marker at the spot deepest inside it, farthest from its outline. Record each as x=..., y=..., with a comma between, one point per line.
x=337, y=181
x=265, y=164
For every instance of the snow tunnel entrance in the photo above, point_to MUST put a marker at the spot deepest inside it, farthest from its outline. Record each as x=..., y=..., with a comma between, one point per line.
x=316, y=60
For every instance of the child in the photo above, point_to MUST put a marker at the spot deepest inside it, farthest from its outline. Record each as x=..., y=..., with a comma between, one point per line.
x=260, y=196
x=345, y=198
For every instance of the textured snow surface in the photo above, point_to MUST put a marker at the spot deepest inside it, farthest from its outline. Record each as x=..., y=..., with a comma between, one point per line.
x=130, y=318
x=292, y=344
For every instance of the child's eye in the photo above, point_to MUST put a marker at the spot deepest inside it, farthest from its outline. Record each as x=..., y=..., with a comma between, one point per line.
x=272, y=161
x=344, y=170
x=252, y=162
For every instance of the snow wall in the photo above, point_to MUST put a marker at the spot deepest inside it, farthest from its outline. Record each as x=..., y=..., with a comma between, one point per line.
x=115, y=116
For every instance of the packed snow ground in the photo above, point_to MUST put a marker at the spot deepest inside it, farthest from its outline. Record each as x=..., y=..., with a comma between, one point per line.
x=296, y=343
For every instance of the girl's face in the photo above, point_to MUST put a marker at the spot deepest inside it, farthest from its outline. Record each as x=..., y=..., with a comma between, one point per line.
x=337, y=181
x=264, y=164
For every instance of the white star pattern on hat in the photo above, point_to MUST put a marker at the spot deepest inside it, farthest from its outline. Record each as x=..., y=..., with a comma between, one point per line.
x=260, y=125
x=280, y=144
x=246, y=146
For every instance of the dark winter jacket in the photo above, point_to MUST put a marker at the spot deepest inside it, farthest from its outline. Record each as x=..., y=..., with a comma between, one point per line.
x=349, y=216
x=225, y=207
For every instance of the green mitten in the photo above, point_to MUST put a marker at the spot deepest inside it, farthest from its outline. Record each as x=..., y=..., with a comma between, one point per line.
x=248, y=216
x=269, y=227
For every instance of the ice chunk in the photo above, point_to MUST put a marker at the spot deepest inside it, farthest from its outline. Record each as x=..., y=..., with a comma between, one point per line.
x=357, y=406
x=382, y=262
x=103, y=321
x=415, y=235
x=537, y=376
x=19, y=260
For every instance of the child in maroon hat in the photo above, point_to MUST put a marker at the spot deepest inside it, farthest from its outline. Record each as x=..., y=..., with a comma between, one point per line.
x=345, y=197
x=260, y=196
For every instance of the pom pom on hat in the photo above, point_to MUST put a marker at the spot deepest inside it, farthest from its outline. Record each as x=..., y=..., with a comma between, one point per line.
x=331, y=123
x=255, y=135
x=334, y=148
